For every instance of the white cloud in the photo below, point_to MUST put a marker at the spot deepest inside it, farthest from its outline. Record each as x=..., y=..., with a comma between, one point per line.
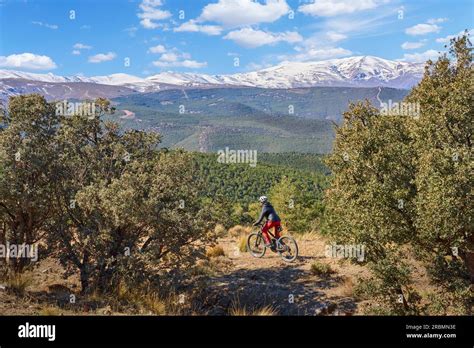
x=319, y=46
x=157, y=49
x=257, y=66
x=436, y=20
x=413, y=45
x=151, y=12
x=423, y=29
x=449, y=37
x=80, y=46
x=236, y=13
x=191, y=64
x=148, y=24
x=173, y=58
x=420, y=57
x=361, y=25
x=102, y=57
x=445, y=39
x=169, y=57
x=250, y=38
x=27, y=61
x=329, y=8
x=192, y=26
x=334, y=37
x=315, y=54
x=46, y=25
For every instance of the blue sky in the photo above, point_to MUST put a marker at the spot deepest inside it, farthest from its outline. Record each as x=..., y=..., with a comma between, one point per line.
x=145, y=37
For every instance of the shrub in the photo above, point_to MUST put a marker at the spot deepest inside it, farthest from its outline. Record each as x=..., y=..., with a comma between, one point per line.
x=321, y=269
x=239, y=230
x=220, y=230
x=404, y=181
x=390, y=287
x=28, y=166
x=136, y=210
x=18, y=282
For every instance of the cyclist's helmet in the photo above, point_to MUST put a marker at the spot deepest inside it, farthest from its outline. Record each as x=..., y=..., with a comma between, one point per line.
x=263, y=199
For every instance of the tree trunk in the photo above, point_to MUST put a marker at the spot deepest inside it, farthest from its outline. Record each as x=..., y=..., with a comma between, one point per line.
x=85, y=274
x=84, y=280
x=468, y=257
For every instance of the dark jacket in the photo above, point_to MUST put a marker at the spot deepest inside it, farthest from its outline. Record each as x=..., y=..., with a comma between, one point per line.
x=269, y=213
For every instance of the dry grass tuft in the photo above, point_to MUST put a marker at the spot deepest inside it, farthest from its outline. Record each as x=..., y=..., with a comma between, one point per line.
x=321, y=269
x=237, y=310
x=215, y=251
x=18, y=282
x=50, y=311
x=309, y=236
x=242, y=244
x=346, y=289
x=148, y=301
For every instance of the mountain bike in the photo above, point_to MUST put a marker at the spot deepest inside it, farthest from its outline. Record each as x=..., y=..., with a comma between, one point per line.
x=285, y=246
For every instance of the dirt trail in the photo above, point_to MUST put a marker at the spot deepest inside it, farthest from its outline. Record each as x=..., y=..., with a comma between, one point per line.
x=289, y=288
x=237, y=280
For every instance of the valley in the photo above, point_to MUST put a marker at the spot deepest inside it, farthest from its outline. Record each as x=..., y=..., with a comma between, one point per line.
x=267, y=120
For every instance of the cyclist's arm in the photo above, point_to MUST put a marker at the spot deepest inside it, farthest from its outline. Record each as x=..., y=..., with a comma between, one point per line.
x=262, y=214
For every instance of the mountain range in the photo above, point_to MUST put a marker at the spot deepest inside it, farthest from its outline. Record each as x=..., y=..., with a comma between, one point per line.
x=360, y=71
x=285, y=108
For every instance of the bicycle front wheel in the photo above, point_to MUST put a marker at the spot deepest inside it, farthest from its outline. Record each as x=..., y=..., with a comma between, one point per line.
x=256, y=245
x=287, y=248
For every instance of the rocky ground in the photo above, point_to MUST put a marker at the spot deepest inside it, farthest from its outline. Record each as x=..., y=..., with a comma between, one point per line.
x=287, y=288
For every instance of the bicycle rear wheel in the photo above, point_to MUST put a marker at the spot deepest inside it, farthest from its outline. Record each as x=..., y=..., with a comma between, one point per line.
x=287, y=248
x=256, y=245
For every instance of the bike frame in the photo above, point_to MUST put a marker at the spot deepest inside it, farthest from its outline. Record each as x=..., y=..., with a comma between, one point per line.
x=269, y=232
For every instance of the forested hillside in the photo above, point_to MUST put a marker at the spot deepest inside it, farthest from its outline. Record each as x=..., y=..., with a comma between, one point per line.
x=314, y=103
x=235, y=188
x=268, y=120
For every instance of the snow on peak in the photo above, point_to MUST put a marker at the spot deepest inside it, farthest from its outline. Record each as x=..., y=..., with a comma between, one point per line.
x=357, y=71
x=117, y=79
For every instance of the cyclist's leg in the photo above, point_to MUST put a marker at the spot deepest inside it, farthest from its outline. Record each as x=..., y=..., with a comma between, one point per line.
x=277, y=225
x=265, y=229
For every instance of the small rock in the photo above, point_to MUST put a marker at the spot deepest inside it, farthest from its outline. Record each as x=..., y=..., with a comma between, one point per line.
x=106, y=310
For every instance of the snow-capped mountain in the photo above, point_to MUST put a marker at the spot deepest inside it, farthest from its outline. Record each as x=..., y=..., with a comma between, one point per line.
x=360, y=71
x=49, y=77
